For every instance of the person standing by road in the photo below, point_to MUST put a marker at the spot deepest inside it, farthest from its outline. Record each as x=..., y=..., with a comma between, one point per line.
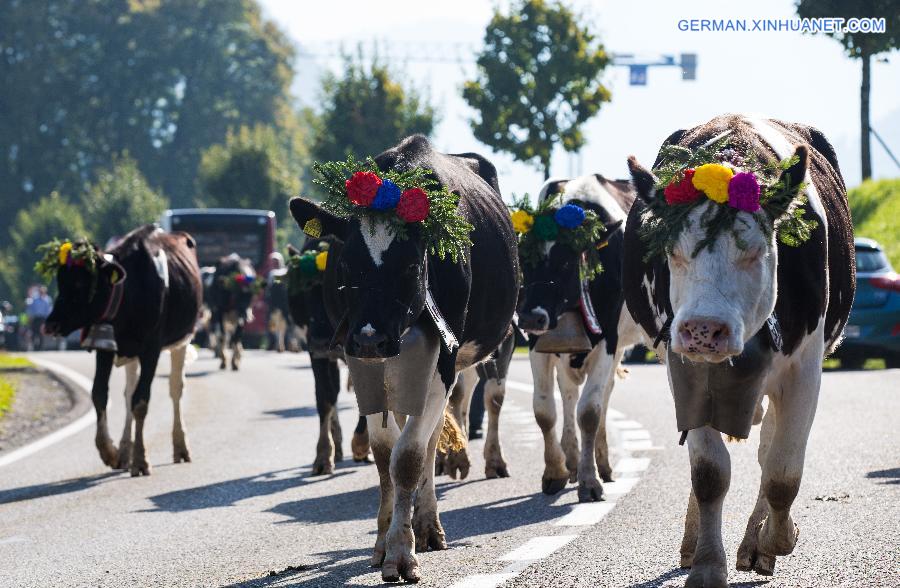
x=37, y=308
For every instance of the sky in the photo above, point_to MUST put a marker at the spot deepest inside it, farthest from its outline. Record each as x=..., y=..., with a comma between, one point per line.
x=786, y=75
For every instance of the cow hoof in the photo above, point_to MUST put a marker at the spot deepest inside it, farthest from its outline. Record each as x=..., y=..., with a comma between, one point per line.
x=377, y=554
x=338, y=453
x=359, y=445
x=223, y=365
x=458, y=462
x=590, y=491
x=108, y=453
x=552, y=486
x=573, y=476
x=707, y=576
x=429, y=533
x=496, y=470
x=182, y=455
x=124, y=458
x=777, y=541
x=140, y=469
x=322, y=467
x=606, y=474
x=407, y=569
x=687, y=560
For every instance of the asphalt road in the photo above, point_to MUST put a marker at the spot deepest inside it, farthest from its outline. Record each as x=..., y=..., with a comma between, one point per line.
x=246, y=507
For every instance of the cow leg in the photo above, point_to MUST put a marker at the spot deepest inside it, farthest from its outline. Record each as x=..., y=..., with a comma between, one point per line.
x=691, y=530
x=100, y=398
x=221, y=336
x=326, y=396
x=568, y=388
x=237, y=346
x=427, y=528
x=125, y=445
x=747, y=556
x=408, y=462
x=337, y=434
x=592, y=407
x=710, y=478
x=139, y=404
x=794, y=399
x=384, y=433
x=555, y=472
x=494, y=464
x=180, y=452
x=359, y=444
x=457, y=460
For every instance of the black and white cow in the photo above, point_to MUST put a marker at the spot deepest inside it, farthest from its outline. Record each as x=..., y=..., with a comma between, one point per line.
x=553, y=288
x=718, y=304
x=230, y=298
x=375, y=290
x=153, y=308
x=307, y=308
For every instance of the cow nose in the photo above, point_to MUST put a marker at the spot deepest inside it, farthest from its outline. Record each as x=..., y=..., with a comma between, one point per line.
x=534, y=321
x=703, y=335
x=369, y=344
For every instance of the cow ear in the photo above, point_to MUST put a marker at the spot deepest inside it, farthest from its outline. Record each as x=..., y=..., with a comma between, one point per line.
x=316, y=222
x=796, y=174
x=643, y=180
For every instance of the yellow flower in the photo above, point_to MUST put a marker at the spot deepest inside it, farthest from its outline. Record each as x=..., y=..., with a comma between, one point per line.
x=64, y=251
x=321, y=261
x=712, y=179
x=522, y=221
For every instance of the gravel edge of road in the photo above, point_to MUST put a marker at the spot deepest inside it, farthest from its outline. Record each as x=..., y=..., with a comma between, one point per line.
x=80, y=404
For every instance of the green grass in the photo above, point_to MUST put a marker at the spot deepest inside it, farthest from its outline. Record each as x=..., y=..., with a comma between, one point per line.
x=875, y=206
x=7, y=393
x=8, y=362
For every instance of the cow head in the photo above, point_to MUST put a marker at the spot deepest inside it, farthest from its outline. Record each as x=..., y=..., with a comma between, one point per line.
x=380, y=280
x=82, y=294
x=552, y=285
x=234, y=285
x=720, y=295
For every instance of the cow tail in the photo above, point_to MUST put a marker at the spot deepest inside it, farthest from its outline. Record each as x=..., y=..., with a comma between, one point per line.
x=451, y=438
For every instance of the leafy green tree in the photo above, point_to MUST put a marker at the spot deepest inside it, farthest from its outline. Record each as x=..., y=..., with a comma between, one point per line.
x=538, y=81
x=161, y=79
x=121, y=200
x=254, y=168
x=862, y=46
x=367, y=111
x=51, y=216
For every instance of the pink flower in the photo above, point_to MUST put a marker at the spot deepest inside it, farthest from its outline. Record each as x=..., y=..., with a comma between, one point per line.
x=743, y=192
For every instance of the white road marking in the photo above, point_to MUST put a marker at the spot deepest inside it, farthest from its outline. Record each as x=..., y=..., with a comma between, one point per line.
x=56, y=436
x=537, y=548
x=632, y=437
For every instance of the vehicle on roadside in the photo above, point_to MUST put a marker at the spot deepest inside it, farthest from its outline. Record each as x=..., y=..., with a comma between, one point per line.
x=220, y=232
x=873, y=330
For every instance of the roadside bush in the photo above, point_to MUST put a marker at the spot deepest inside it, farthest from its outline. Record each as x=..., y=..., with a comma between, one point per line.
x=875, y=206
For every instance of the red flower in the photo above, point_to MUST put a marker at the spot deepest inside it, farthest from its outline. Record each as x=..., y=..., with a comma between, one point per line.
x=362, y=187
x=413, y=205
x=682, y=192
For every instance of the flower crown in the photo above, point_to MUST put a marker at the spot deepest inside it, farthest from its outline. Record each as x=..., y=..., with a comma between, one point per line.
x=58, y=253
x=718, y=173
x=569, y=224
x=306, y=270
x=359, y=189
x=239, y=281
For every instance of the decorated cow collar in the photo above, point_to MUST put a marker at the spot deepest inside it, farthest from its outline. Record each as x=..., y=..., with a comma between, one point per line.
x=734, y=182
x=359, y=189
x=553, y=221
x=306, y=269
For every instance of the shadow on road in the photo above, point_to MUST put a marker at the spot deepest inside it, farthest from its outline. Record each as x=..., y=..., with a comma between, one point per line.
x=229, y=492
x=293, y=413
x=54, y=488
x=674, y=573
x=335, y=569
x=892, y=475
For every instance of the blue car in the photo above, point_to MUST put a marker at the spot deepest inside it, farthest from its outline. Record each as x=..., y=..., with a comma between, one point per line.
x=874, y=326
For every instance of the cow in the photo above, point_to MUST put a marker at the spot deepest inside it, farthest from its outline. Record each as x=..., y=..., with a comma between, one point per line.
x=147, y=289
x=493, y=375
x=277, y=305
x=307, y=309
x=230, y=297
x=398, y=309
x=745, y=311
x=553, y=287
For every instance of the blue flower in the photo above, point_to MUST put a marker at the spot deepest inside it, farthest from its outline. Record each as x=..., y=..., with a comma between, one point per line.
x=387, y=197
x=569, y=216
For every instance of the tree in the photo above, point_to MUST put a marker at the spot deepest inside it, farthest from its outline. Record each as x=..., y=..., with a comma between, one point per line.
x=121, y=200
x=49, y=217
x=161, y=79
x=862, y=46
x=254, y=168
x=366, y=111
x=538, y=81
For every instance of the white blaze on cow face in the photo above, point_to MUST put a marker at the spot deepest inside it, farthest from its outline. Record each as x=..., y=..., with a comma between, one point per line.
x=722, y=296
x=377, y=237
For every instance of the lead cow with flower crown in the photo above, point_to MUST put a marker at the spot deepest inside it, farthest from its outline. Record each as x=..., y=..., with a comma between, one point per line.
x=739, y=262
x=421, y=283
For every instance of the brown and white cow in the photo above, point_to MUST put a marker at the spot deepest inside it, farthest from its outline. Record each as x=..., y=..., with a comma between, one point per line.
x=553, y=288
x=719, y=304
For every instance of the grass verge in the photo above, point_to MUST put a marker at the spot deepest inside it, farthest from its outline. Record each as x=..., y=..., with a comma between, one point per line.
x=875, y=206
x=10, y=362
x=7, y=394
